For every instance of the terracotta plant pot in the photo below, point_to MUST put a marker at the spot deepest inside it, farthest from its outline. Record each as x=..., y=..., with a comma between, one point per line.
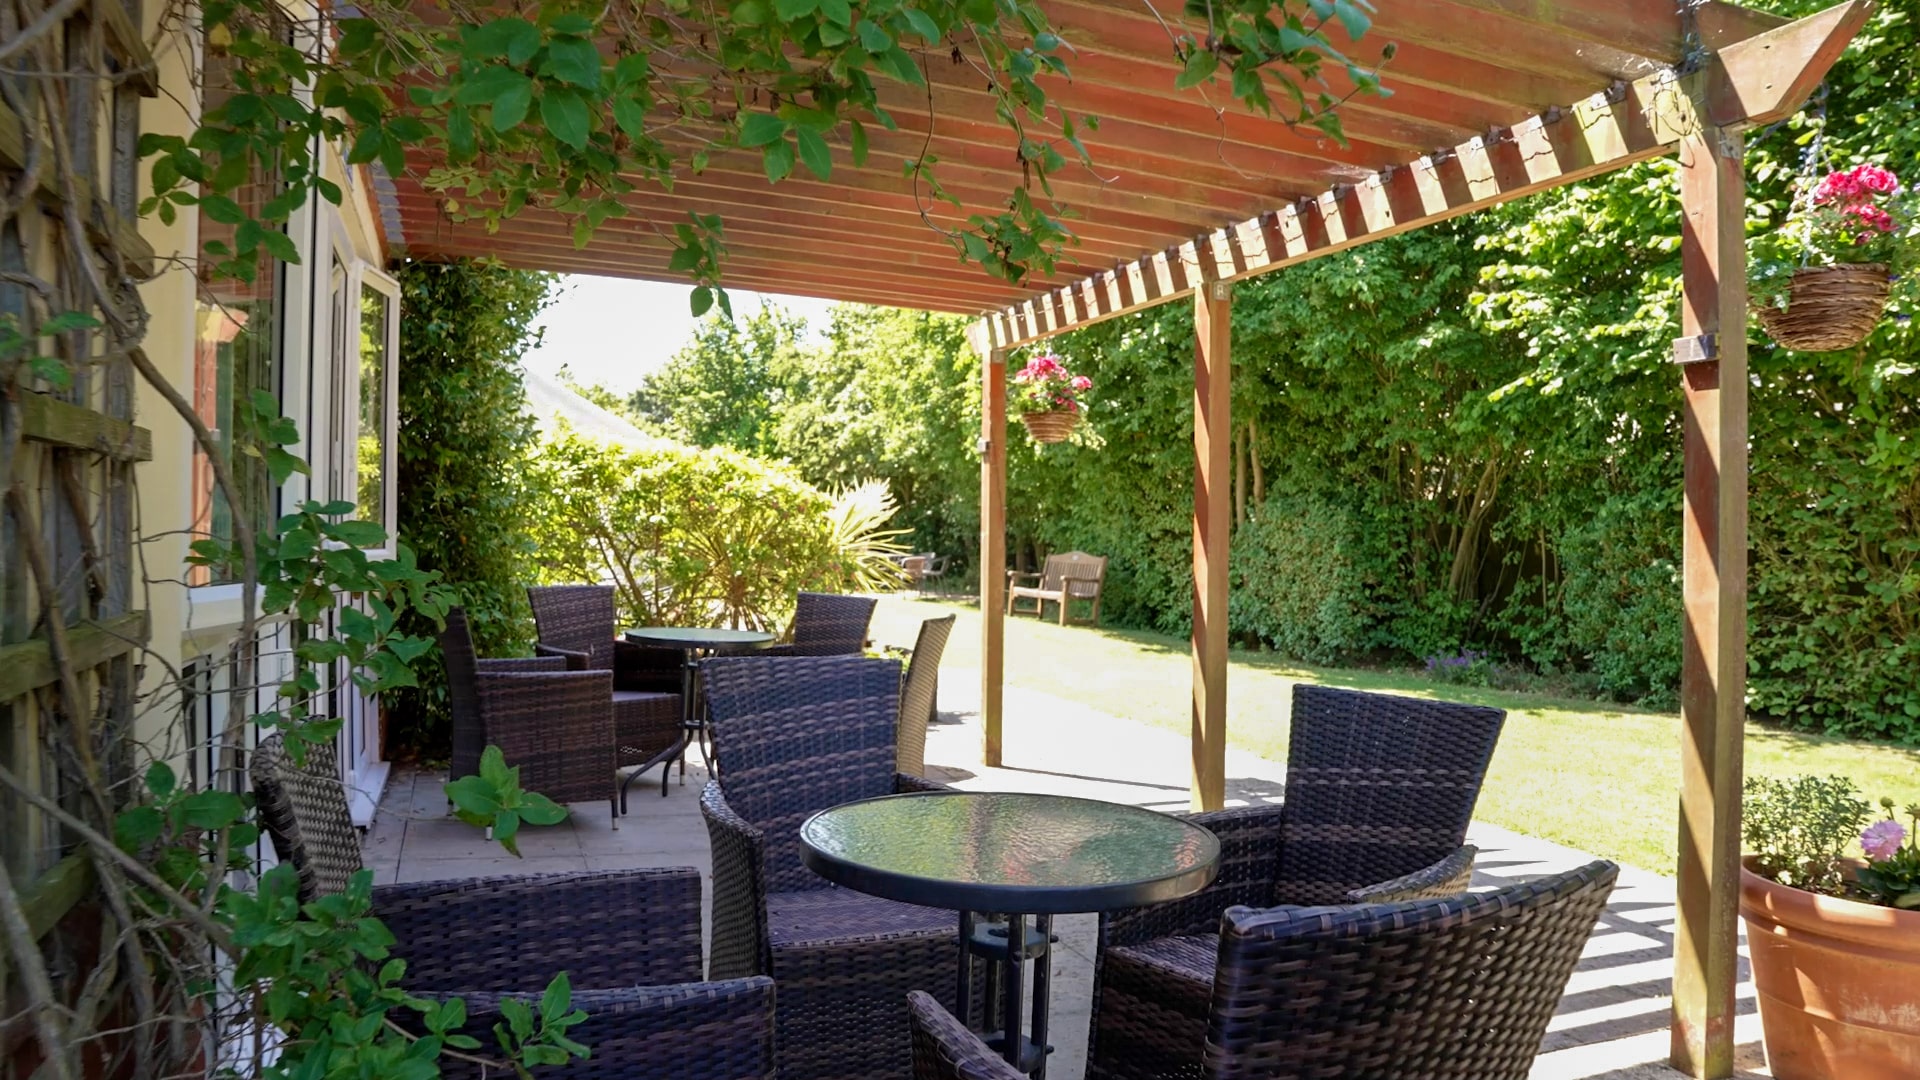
x=1051, y=427
x=1839, y=983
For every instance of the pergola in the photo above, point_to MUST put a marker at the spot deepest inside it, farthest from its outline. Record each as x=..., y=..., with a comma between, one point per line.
x=1494, y=99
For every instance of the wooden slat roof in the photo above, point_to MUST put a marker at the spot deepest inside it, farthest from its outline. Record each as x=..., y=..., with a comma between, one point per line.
x=1169, y=168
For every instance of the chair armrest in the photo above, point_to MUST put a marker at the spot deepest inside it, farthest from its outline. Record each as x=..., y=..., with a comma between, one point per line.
x=740, y=946
x=904, y=783
x=727, y=1027
x=1448, y=877
x=523, y=663
x=1014, y=575
x=778, y=650
x=606, y=928
x=576, y=658
x=1249, y=836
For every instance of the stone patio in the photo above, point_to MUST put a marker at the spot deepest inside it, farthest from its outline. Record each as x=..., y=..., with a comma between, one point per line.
x=1611, y=1024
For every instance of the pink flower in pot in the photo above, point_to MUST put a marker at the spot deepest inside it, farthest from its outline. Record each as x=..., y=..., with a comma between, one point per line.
x=1882, y=839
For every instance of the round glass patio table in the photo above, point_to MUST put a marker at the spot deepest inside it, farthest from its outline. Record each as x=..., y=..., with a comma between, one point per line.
x=695, y=643
x=1015, y=853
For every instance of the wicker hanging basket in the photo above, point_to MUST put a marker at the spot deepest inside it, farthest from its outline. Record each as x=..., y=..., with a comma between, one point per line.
x=1828, y=307
x=1051, y=427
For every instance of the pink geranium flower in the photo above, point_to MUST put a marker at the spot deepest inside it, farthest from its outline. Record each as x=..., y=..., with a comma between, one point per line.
x=1882, y=839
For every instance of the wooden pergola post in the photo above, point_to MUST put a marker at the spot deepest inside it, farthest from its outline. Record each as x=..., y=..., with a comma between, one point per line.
x=993, y=546
x=1212, y=509
x=1713, y=358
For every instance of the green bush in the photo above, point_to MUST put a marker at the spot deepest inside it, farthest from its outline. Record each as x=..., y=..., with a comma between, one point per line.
x=687, y=537
x=1295, y=584
x=464, y=433
x=1620, y=598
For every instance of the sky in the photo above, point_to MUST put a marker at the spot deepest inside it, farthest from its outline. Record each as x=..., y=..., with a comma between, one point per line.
x=612, y=332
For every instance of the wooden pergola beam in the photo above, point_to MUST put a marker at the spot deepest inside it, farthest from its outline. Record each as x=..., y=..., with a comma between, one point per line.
x=1753, y=81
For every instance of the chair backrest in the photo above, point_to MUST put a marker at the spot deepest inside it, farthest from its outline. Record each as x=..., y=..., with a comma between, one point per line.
x=1450, y=989
x=1075, y=573
x=797, y=734
x=578, y=618
x=304, y=811
x=831, y=624
x=917, y=694
x=943, y=1048
x=463, y=695
x=1378, y=786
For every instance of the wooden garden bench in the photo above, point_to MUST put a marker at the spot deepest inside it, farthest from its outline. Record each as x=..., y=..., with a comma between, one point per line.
x=1073, y=576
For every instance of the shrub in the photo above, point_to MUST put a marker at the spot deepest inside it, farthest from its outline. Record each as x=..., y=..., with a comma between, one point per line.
x=464, y=431
x=1295, y=584
x=1621, y=597
x=685, y=536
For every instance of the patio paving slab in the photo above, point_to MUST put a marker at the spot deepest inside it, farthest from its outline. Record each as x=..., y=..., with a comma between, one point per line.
x=1612, y=1023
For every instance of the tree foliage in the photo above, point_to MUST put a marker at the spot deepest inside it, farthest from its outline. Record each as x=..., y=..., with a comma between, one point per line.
x=464, y=432
x=1466, y=438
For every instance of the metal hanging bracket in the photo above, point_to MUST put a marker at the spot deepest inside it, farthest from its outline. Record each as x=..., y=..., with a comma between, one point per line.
x=1696, y=350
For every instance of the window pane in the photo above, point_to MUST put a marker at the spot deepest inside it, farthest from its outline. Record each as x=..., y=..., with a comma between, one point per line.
x=236, y=352
x=376, y=309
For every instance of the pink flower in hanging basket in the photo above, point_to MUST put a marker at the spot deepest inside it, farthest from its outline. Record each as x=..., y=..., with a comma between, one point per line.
x=1046, y=385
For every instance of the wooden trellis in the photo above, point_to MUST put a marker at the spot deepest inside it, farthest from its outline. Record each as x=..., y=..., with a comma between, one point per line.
x=71, y=624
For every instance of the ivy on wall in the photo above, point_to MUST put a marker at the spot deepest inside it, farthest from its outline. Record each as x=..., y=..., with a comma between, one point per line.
x=464, y=433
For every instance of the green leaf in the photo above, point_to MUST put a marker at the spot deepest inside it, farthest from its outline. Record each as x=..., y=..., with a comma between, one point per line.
x=873, y=37
x=363, y=534
x=537, y=809
x=631, y=117
x=571, y=23
x=565, y=113
x=69, y=321
x=137, y=827
x=700, y=300
x=160, y=779
x=1200, y=66
x=222, y=209
x=494, y=769
x=922, y=24
x=511, y=105
x=857, y=138
x=630, y=69
x=574, y=60
x=210, y=809
x=778, y=160
x=280, y=246
x=557, y=1000
x=1353, y=17
x=795, y=10
x=814, y=153
x=760, y=129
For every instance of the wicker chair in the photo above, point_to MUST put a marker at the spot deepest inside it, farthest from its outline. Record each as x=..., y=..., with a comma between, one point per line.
x=827, y=624
x=1379, y=793
x=1062, y=579
x=919, y=694
x=1451, y=988
x=555, y=725
x=628, y=939
x=795, y=736
x=576, y=622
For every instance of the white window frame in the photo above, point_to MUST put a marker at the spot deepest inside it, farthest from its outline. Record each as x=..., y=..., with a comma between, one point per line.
x=367, y=276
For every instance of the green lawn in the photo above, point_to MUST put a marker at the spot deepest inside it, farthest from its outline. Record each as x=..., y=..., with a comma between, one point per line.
x=1601, y=778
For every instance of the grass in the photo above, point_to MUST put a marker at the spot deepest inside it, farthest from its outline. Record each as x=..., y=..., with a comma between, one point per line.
x=1602, y=778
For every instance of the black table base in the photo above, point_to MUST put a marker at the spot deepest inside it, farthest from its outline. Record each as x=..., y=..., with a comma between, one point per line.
x=1006, y=981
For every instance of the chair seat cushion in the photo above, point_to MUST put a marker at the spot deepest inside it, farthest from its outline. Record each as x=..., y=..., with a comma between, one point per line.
x=824, y=916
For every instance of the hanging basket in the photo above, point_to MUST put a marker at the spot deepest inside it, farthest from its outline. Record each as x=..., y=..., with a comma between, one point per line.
x=1051, y=427
x=1828, y=307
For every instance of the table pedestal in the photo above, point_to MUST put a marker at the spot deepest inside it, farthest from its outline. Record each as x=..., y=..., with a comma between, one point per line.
x=1005, y=973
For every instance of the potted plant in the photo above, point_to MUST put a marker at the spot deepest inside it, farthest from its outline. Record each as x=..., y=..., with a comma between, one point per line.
x=1821, y=281
x=1834, y=939
x=1049, y=399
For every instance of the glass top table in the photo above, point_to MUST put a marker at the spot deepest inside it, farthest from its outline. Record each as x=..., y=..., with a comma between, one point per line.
x=699, y=637
x=1009, y=851
x=1012, y=852
x=695, y=642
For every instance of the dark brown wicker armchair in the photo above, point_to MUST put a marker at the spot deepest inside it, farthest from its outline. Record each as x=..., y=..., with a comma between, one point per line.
x=918, y=695
x=1452, y=988
x=794, y=736
x=1379, y=793
x=628, y=939
x=827, y=624
x=576, y=622
x=555, y=725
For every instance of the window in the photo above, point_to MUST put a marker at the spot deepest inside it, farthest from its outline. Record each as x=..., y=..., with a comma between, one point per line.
x=377, y=330
x=238, y=339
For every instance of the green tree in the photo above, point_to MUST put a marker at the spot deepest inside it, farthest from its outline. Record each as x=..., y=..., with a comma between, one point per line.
x=721, y=389
x=465, y=433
